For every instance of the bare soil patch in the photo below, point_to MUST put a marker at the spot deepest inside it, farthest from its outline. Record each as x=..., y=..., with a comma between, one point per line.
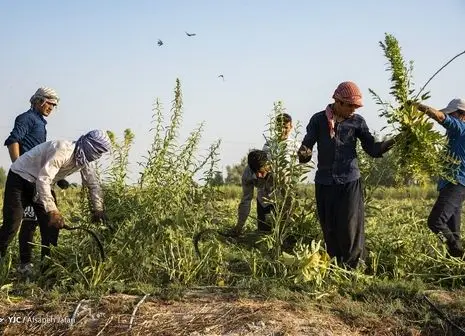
x=195, y=314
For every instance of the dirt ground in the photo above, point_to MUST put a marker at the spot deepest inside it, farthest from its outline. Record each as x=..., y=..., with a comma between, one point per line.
x=196, y=314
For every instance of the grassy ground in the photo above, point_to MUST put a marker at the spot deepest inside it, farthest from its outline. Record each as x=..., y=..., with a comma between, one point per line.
x=238, y=290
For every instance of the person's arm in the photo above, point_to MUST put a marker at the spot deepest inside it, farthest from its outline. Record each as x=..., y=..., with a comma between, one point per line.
x=372, y=147
x=452, y=125
x=243, y=209
x=22, y=126
x=432, y=113
x=305, y=151
x=13, y=150
x=90, y=179
x=296, y=147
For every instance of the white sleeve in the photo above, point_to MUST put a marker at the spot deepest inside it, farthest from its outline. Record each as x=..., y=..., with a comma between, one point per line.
x=90, y=179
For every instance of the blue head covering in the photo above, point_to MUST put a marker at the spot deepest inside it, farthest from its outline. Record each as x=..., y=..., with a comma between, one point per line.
x=91, y=146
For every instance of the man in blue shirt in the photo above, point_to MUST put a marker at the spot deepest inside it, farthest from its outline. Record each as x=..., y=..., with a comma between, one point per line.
x=445, y=218
x=29, y=131
x=338, y=189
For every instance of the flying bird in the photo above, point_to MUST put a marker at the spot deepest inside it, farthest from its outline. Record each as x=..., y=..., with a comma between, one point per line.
x=160, y=43
x=221, y=77
x=190, y=34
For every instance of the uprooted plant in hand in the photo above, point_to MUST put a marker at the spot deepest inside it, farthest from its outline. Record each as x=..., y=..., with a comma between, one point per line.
x=420, y=151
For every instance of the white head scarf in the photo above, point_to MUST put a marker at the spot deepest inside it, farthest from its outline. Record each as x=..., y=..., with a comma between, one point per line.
x=46, y=93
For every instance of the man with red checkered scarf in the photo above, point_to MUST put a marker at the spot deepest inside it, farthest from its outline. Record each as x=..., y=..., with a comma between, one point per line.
x=338, y=188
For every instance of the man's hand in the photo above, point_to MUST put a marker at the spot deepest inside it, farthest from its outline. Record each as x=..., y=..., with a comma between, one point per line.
x=55, y=219
x=305, y=154
x=406, y=137
x=398, y=137
x=98, y=216
x=63, y=184
x=431, y=112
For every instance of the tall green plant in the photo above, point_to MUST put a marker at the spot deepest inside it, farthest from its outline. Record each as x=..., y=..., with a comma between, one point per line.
x=156, y=218
x=169, y=199
x=117, y=172
x=171, y=169
x=420, y=152
x=117, y=192
x=288, y=174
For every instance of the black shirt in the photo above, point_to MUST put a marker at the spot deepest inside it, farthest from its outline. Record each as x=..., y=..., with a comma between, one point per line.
x=337, y=157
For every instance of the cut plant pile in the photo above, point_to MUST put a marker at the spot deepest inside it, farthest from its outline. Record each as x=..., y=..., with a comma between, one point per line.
x=206, y=313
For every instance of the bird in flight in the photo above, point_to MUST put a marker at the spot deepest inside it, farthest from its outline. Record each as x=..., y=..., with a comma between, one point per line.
x=160, y=43
x=190, y=34
x=221, y=76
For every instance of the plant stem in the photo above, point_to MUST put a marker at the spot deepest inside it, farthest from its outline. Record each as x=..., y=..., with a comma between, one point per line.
x=429, y=80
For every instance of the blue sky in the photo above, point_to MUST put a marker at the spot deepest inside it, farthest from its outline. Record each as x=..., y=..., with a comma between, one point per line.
x=102, y=58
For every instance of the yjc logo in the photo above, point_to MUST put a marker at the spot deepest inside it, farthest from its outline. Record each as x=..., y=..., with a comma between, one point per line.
x=15, y=319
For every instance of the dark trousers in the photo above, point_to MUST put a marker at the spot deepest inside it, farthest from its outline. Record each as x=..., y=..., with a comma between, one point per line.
x=262, y=224
x=445, y=215
x=19, y=193
x=26, y=239
x=341, y=214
